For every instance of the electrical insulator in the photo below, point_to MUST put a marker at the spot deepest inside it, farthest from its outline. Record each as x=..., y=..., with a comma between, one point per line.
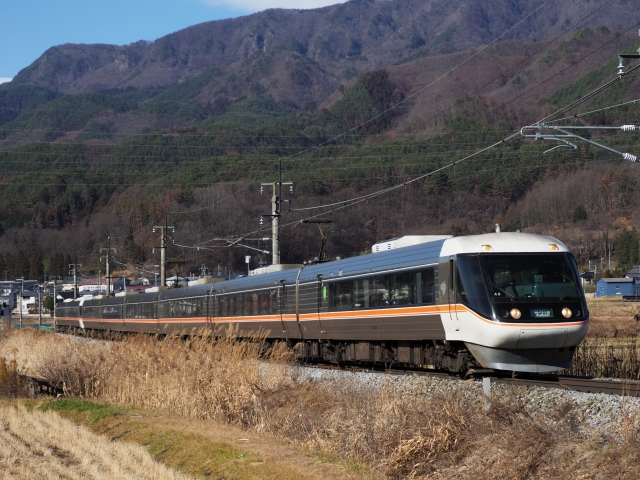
x=290, y=205
x=628, y=156
x=628, y=128
x=261, y=189
x=261, y=221
x=290, y=188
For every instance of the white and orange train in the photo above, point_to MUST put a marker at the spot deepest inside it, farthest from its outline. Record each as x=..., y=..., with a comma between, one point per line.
x=505, y=301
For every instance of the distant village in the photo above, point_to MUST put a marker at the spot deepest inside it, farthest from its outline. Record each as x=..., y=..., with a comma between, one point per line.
x=30, y=297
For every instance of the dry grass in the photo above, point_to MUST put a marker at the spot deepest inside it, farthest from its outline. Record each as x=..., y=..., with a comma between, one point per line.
x=37, y=445
x=403, y=436
x=613, y=318
x=611, y=349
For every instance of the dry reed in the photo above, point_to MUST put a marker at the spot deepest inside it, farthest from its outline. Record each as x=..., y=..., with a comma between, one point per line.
x=603, y=358
x=238, y=382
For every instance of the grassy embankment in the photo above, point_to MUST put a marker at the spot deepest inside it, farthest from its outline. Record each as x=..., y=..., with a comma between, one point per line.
x=145, y=391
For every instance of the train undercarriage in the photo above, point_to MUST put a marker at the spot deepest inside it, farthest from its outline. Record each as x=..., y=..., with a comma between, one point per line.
x=432, y=354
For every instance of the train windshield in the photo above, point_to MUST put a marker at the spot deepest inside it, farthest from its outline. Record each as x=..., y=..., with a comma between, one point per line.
x=531, y=276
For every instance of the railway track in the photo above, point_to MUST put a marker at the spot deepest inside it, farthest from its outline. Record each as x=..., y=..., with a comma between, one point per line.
x=626, y=388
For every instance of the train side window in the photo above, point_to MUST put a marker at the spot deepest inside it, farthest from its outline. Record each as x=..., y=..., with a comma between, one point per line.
x=232, y=305
x=255, y=303
x=401, y=288
x=247, y=303
x=239, y=298
x=379, y=291
x=360, y=293
x=425, y=287
x=273, y=301
x=264, y=302
x=341, y=295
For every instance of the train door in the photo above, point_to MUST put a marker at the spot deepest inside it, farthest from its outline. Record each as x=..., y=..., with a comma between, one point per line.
x=210, y=303
x=451, y=293
x=123, y=315
x=322, y=295
x=282, y=300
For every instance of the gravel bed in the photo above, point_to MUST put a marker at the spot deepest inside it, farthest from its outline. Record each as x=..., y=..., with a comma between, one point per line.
x=597, y=412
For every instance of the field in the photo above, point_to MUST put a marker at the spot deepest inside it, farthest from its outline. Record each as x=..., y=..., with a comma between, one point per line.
x=611, y=348
x=219, y=408
x=43, y=445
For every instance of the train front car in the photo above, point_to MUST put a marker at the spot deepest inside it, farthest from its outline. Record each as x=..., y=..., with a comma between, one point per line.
x=514, y=300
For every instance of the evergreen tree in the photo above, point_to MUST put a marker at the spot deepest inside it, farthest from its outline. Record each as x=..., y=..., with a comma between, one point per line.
x=21, y=265
x=133, y=253
x=36, y=268
x=65, y=266
x=627, y=249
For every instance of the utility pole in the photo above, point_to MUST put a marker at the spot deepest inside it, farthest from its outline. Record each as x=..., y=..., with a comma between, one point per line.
x=73, y=267
x=276, y=212
x=163, y=250
x=108, y=258
x=39, y=306
x=21, y=293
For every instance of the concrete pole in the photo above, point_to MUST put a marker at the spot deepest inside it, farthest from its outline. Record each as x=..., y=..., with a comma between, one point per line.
x=75, y=282
x=163, y=257
x=275, y=230
x=21, y=292
x=39, y=306
x=108, y=270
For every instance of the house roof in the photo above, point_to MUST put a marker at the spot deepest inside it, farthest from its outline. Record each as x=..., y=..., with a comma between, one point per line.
x=617, y=280
x=634, y=271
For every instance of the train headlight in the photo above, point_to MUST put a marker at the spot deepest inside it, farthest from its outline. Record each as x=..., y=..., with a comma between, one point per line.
x=515, y=313
x=566, y=312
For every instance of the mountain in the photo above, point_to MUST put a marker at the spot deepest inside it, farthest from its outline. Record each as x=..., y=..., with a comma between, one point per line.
x=329, y=39
x=102, y=140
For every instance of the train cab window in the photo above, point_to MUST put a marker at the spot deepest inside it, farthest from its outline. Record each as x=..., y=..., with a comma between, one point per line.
x=425, y=287
x=470, y=285
x=401, y=288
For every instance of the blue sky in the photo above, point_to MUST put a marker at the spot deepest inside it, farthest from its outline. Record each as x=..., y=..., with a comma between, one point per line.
x=29, y=27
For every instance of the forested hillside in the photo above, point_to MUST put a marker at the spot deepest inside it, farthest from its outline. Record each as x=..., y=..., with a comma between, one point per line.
x=88, y=155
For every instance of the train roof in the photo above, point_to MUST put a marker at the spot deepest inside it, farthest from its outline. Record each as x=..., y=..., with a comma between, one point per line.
x=413, y=256
x=397, y=259
x=505, y=242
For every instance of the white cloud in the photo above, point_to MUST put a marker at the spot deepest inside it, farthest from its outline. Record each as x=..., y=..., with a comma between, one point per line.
x=5, y=80
x=258, y=5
